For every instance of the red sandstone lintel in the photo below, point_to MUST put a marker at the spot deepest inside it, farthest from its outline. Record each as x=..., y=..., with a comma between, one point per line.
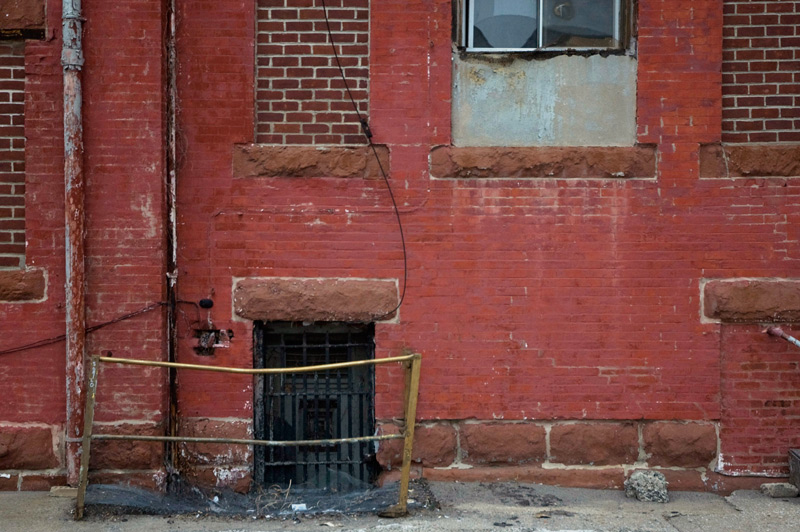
x=752, y=300
x=544, y=162
x=324, y=299
x=19, y=286
x=750, y=160
x=267, y=160
x=22, y=15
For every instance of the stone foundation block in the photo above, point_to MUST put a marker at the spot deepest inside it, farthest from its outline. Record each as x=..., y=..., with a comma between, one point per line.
x=594, y=443
x=42, y=482
x=127, y=454
x=27, y=448
x=8, y=482
x=502, y=443
x=434, y=446
x=610, y=478
x=238, y=479
x=670, y=444
x=216, y=454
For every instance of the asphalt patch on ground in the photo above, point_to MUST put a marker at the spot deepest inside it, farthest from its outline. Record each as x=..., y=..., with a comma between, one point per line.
x=522, y=495
x=113, y=500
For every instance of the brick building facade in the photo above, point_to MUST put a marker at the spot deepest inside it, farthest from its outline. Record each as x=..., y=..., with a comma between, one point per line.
x=591, y=261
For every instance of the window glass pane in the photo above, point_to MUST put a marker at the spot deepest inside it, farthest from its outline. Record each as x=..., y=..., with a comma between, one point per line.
x=581, y=23
x=504, y=24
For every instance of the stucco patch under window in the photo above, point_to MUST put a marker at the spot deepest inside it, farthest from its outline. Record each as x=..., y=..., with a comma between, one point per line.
x=559, y=101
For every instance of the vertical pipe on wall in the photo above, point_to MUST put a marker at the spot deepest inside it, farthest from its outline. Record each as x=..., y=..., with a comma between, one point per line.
x=172, y=236
x=72, y=62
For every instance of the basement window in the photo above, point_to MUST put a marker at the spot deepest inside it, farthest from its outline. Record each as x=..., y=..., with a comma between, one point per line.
x=319, y=405
x=550, y=25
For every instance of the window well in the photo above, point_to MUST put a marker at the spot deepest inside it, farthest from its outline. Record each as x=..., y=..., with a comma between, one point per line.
x=320, y=405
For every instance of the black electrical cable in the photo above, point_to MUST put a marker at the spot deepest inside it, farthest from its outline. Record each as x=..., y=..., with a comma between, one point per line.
x=368, y=134
x=62, y=337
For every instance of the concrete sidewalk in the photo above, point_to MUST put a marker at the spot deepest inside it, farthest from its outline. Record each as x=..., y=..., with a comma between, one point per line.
x=509, y=507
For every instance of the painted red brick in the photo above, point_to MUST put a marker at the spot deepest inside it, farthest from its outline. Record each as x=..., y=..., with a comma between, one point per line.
x=529, y=298
x=12, y=154
x=759, y=57
x=296, y=70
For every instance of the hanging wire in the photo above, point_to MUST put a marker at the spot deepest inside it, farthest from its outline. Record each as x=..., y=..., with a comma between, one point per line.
x=60, y=338
x=368, y=134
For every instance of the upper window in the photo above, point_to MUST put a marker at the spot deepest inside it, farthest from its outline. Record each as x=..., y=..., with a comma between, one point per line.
x=524, y=25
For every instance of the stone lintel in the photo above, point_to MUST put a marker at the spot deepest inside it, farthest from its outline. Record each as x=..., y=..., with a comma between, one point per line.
x=266, y=160
x=323, y=299
x=750, y=160
x=752, y=300
x=544, y=162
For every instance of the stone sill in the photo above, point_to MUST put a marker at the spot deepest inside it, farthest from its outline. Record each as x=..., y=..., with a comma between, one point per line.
x=22, y=16
x=749, y=160
x=22, y=286
x=555, y=162
x=751, y=300
x=268, y=160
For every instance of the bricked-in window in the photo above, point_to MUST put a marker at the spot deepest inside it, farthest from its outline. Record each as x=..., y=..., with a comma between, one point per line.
x=300, y=96
x=761, y=100
x=12, y=154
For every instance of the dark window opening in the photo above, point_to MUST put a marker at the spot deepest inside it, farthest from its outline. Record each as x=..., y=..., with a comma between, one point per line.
x=549, y=25
x=318, y=405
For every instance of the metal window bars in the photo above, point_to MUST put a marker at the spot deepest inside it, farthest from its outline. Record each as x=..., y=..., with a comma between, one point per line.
x=411, y=363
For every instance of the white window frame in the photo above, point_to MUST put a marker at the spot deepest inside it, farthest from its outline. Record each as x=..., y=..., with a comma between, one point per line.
x=466, y=14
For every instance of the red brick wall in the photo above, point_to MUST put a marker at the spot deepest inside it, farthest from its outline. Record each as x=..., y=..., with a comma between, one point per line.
x=760, y=87
x=300, y=96
x=760, y=400
x=530, y=298
x=12, y=154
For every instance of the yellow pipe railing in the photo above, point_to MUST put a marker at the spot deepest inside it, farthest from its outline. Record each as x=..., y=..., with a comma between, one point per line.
x=412, y=365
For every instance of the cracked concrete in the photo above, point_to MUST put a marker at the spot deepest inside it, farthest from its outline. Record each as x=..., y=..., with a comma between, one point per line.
x=510, y=507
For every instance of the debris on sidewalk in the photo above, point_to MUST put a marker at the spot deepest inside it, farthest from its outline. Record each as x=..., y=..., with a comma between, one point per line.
x=647, y=486
x=779, y=490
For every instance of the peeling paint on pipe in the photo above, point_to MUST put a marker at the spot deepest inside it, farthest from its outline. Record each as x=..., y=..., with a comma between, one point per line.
x=75, y=293
x=777, y=331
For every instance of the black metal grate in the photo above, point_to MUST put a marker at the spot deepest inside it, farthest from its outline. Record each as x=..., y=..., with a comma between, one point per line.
x=314, y=406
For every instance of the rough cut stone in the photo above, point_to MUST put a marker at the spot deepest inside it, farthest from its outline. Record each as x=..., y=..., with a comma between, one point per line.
x=314, y=299
x=594, y=443
x=216, y=454
x=761, y=160
x=647, y=486
x=502, y=443
x=127, y=454
x=22, y=15
x=539, y=162
x=26, y=448
x=752, y=300
x=680, y=444
x=779, y=490
x=22, y=285
x=260, y=160
x=434, y=446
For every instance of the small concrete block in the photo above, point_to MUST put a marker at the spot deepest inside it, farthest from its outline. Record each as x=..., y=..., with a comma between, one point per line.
x=779, y=490
x=647, y=486
x=64, y=491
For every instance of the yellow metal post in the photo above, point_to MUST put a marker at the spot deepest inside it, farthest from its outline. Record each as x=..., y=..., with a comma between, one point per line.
x=88, y=421
x=412, y=392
